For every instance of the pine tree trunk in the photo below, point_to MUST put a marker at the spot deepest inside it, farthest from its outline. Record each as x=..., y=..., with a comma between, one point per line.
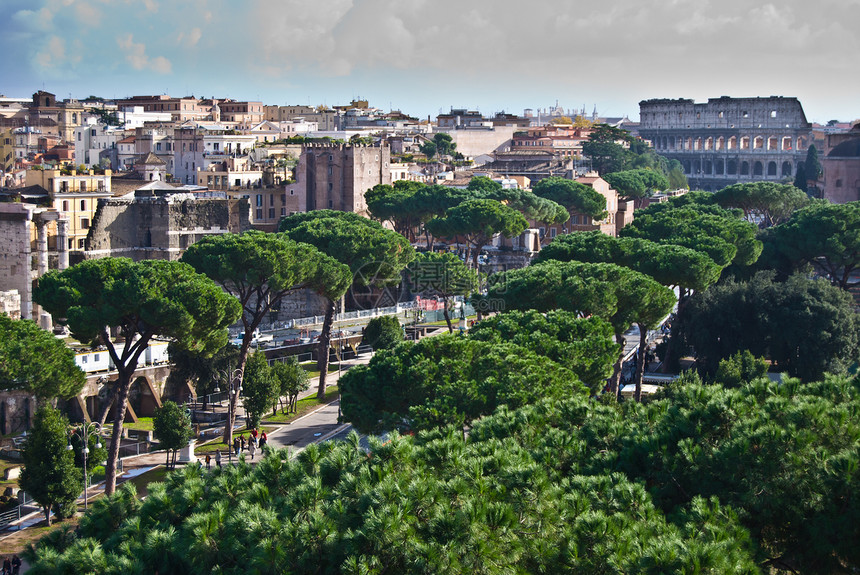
x=640, y=365
x=325, y=342
x=615, y=379
x=123, y=384
x=233, y=398
x=447, y=315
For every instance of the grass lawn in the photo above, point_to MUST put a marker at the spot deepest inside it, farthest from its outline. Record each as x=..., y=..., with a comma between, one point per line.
x=304, y=406
x=143, y=424
x=313, y=373
x=142, y=481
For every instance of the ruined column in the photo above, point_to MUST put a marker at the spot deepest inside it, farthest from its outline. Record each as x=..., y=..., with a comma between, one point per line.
x=62, y=243
x=42, y=246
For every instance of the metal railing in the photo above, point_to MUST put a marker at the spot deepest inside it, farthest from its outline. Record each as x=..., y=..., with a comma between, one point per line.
x=318, y=319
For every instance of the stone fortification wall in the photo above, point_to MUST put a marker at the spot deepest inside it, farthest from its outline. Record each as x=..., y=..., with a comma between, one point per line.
x=161, y=228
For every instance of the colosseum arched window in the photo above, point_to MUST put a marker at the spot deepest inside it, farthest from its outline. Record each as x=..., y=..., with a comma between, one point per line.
x=786, y=168
x=771, y=168
x=758, y=169
x=758, y=143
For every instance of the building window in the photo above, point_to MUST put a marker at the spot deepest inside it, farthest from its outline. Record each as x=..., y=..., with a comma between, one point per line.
x=271, y=213
x=283, y=212
x=552, y=232
x=271, y=199
x=259, y=200
x=96, y=357
x=65, y=205
x=259, y=214
x=85, y=223
x=81, y=243
x=83, y=205
x=158, y=146
x=330, y=204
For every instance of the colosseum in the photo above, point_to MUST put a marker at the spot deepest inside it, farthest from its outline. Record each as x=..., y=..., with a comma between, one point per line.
x=728, y=140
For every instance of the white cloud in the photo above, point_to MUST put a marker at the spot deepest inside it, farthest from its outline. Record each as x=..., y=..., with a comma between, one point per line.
x=135, y=54
x=54, y=53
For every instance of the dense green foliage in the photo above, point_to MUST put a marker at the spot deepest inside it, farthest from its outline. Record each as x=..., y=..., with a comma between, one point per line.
x=574, y=196
x=823, y=235
x=374, y=255
x=637, y=184
x=142, y=300
x=50, y=476
x=617, y=294
x=582, y=345
x=292, y=379
x=706, y=480
x=765, y=204
x=205, y=373
x=447, y=379
x=671, y=265
x=260, y=389
x=383, y=332
x=172, y=428
x=444, y=275
x=719, y=233
x=740, y=368
x=33, y=359
x=613, y=150
x=477, y=221
x=806, y=327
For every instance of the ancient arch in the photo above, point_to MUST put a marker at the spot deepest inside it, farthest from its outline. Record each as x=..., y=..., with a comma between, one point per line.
x=719, y=168
x=758, y=143
x=708, y=167
x=745, y=142
x=772, y=143
x=720, y=143
x=732, y=167
x=709, y=143
x=745, y=168
x=786, y=143
x=697, y=144
x=732, y=143
x=786, y=168
x=758, y=168
x=771, y=168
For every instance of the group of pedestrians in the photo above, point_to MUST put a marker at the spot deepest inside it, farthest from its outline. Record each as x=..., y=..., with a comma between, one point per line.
x=11, y=566
x=255, y=442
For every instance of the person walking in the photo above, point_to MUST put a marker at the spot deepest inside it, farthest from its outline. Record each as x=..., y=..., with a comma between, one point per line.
x=16, y=565
x=242, y=443
x=218, y=458
x=252, y=449
x=7, y=566
x=208, y=461
x=236, y=445
x=263, y=440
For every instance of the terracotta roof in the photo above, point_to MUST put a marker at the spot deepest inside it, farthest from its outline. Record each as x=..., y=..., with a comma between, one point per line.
x=128, y=140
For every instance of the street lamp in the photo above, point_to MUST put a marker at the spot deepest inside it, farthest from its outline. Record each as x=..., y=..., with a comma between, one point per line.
x=234, y=387
x=86, y=430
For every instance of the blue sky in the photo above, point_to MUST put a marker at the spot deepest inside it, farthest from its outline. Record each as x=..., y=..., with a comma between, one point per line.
x=423, y=56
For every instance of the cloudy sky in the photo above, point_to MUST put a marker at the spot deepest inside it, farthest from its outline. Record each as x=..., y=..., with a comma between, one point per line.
x=423, y=56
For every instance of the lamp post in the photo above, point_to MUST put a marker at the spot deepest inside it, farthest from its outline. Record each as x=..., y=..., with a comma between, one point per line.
x=86, y=430
x=234, y=386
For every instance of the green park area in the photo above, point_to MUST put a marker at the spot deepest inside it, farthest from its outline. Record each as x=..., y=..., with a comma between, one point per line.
x=528, y=444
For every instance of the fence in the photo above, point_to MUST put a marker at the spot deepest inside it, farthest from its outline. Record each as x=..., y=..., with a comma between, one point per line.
x=9, y=517
x=318, y=319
